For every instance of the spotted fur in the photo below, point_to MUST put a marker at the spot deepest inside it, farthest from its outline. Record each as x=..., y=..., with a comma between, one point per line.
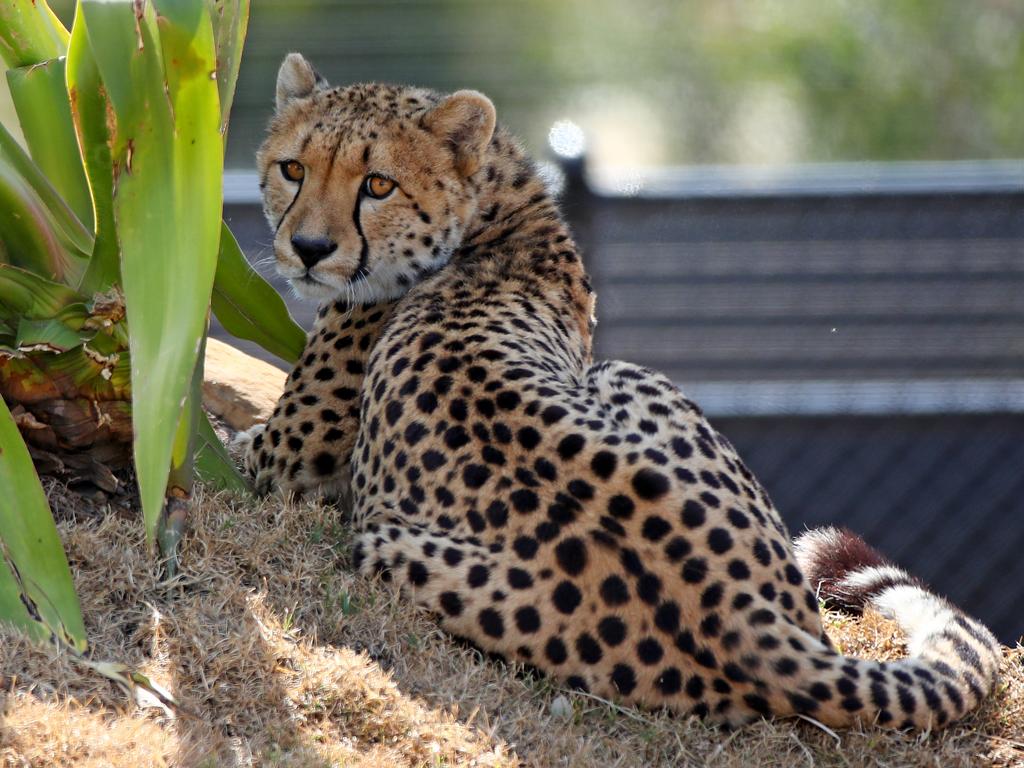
x=581, y=517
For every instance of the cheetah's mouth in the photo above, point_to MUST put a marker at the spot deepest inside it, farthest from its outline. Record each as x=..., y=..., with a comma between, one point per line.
x=309, y=286
x=365, y=285
x=308, y=281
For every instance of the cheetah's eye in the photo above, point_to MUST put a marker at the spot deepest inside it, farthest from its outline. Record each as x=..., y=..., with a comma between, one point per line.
x=293, y=170
x=378, y=187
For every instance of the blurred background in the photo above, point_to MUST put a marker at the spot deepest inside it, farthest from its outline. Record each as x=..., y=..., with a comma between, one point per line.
x=809, y=213
x=669, y=82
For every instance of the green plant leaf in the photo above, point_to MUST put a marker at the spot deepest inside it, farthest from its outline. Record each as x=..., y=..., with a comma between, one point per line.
x=30, y=33
x=30, y=236
x=27, y=235
x=159, y=72
x=213, y=464
x=89, y=107
x=248, y=306
x=71, y=231
x=55, y=334
x=26, y=294
x=40, y=96
x=36, y=590
x=230, y=22
x=182, y=474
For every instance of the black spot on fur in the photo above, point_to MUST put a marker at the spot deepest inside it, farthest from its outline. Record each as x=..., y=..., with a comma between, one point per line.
x=588, y=649
x=524, y=501
x=451, y=603
x=491, y=623
x=555, y=651
x=611, y=630
x=527, y=619
x=603, y=464
x=571, y=554
x=324, y=463
x=621, y=507
x=650, y=484
x=570, y=445
x=624, y=679
x=614, y=591
x=566, y=597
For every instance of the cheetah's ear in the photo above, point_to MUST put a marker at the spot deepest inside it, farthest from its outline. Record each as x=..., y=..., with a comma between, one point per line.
x=296, y=79
x=466, y=121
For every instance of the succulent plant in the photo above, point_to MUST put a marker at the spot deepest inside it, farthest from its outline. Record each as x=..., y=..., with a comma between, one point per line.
x=112, y=254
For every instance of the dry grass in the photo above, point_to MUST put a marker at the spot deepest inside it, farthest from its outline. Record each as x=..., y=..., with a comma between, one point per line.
x=283, y=657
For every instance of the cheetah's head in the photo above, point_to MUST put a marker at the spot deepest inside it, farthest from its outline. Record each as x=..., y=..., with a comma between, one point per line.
x=367, y=187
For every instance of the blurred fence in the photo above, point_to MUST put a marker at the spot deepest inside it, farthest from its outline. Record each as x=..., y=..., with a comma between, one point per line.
x=858, y=334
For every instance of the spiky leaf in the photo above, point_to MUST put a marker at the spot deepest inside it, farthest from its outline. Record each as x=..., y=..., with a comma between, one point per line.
x=36, y=591
x=213, y=464
x=160, y=74
x=89, y=107
x=72, y=232
x=37, y=229
x=40, y=96
x=249, y=307
x=25, y=294
x=30, y=33
x=230, y=22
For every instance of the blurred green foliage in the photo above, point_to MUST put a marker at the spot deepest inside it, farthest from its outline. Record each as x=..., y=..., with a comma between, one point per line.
x=809, y=80
x=680, y=81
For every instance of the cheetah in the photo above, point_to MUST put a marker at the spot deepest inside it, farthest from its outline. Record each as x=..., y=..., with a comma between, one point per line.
x=579, y=517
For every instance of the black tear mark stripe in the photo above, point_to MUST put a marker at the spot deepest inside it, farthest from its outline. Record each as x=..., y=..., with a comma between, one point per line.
x=364, y=248
x=289, y=208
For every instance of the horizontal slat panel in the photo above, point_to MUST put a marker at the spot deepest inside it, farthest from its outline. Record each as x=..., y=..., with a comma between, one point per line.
x=956, y=302
x=814, y=179
x=626, y=221
x=783, y=259
x=778, y=344
x=825, y=397
x=865, y=370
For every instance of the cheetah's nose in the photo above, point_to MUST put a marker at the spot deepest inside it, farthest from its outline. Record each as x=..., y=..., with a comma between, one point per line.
x=312, y=250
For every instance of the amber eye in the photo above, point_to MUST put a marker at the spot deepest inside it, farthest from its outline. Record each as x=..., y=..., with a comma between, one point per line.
x=293, y=170
x=378, y=187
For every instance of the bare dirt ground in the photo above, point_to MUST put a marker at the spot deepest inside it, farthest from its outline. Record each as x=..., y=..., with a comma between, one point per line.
x=280, y=656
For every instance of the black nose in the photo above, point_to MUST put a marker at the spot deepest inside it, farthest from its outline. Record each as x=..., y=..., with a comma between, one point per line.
x=313, y=249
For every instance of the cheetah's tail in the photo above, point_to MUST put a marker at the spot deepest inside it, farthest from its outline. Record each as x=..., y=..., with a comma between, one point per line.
x=954, y=659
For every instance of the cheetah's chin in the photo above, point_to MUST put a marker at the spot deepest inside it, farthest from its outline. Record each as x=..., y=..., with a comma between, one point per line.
x=365, y=289
x=382, y=283
x=307, y=287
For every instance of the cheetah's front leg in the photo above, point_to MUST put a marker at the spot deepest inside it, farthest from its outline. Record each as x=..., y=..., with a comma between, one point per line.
x=305, y=446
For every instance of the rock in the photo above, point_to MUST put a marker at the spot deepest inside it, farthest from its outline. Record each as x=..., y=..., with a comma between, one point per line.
x=239, y=388
x=561, y=707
